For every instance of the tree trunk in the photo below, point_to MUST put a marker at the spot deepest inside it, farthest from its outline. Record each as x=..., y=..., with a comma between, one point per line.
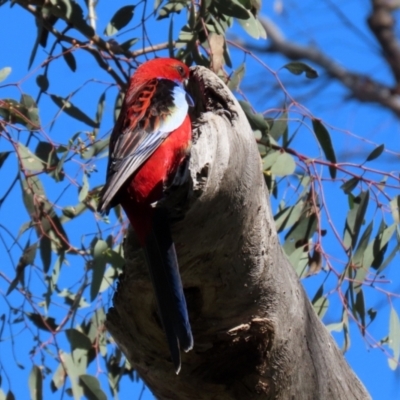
x=255, y=332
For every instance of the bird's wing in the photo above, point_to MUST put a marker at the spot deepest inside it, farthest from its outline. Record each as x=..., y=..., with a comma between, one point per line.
x=147, y=117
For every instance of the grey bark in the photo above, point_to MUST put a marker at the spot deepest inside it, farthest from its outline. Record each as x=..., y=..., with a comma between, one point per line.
x=256, y=334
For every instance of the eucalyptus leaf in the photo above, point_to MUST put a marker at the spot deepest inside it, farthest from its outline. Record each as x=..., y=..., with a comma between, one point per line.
x=119, y=20
x=284, y=165
x=325, y=141
x=321, y=306
x=279, y=126
x=253, y=27
x=4, y=72
x=69, y=58
x=43, y=82
x=257, y=121
x=29, y=160
x=36, y=383
x=99, y=266
x=394, y=335
x=73, y=111
x=91, y=388
x=237, y=77
x=3, y=157
x=297, y=68
x=376, y=153
x=232, y=8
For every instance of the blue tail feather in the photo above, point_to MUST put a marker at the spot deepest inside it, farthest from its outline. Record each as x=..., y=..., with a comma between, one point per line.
x=164, y=271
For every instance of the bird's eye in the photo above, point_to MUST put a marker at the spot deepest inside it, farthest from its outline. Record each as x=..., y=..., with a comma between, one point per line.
x=180, y=70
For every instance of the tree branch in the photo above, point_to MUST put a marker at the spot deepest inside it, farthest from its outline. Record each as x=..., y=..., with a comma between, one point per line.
x=361, y=86
x=101, y=44
x=256, y=334
x=381, y=23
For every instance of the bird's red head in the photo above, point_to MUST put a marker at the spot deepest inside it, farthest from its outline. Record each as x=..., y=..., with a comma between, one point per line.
x=167, y=68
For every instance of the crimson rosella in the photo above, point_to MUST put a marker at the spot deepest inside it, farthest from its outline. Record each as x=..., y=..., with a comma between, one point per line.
x=150, y=140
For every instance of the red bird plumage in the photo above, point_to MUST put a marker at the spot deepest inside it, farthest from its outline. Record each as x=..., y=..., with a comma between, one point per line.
x=149, y=142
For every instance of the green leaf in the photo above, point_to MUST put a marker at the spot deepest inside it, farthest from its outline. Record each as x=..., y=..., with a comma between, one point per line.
x=72, y=12
x=70, y=212
x=45, y=252
x=69, y=58
x=324, y=140
x=297, y=68
x=78, y=340
x=362, y=245
x=394, y=338
x=73, y=373
x=257, y=121
x=395, y=208
x=232, y=8
x=355, y=219
x=349, y=185
x=299, y=259
x=300, y=233
x=3, y=157
x=279, y=126
x=360, y=309
x=99, y=266
x=128, y=44
x=388, y=259
x=336, y=327
x=73, y=111
x=376, y=153
x=35, y=383
x=321, y=306
x=58, y=379
x=31, y=187
x=91, y=388
x=270, y=159
x=253, y=27
x=96, y=324
x=42, y=82
x=346, y=332
x=119, y=20
x=4, y=72
x=109, y=278
x=237, y=77
x=45, y=323
x=96, y=148
x=10, y=395
x=115, y=259
x=372, y=314
x=14, y=112
x=170, y=8
x=48, y=154
x=363, y=258
x=285, y=218
x=30, y=111
x=84, y=190
x=118, y=104
x=284, y=165
x=27, y=258
x=42, y=213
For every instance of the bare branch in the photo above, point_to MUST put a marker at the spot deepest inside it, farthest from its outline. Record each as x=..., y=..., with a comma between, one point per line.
x=96, y=40
x=91, y=4
x=361, y=86
x=150, y=49
x=381, y=23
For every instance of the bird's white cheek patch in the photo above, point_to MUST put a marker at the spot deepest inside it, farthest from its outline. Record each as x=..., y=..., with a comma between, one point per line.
x=178, y=111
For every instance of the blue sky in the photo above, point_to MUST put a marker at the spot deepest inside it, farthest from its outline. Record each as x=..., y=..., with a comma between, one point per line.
x=305, y=23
